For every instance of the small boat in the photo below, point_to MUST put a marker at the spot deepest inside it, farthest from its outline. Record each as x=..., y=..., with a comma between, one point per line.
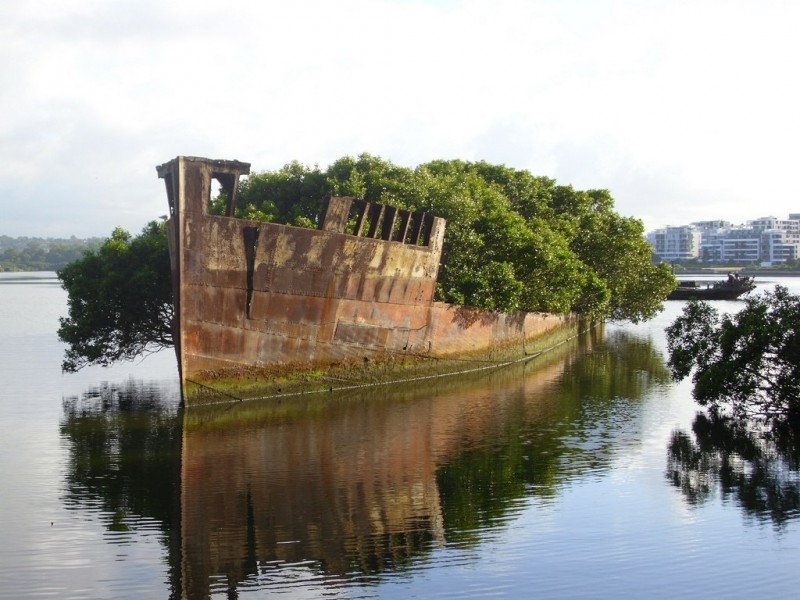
x=727, y=289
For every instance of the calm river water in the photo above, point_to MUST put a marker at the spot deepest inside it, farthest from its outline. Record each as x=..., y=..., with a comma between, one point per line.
x=551, y=480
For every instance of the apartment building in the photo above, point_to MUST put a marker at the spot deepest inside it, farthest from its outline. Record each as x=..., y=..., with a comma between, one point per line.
x=765, y=241
x=676, y=243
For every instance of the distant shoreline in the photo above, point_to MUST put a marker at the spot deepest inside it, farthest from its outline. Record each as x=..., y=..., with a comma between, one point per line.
x=716, y=271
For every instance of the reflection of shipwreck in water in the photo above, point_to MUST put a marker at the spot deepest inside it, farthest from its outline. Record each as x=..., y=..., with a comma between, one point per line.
x=338, y=489
x=357, y=290
x=345, y=488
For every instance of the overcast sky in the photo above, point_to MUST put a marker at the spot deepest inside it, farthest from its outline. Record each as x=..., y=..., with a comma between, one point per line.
x=683, y=110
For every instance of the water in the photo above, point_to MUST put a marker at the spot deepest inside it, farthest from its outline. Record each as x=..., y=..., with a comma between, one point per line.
x=552, y=479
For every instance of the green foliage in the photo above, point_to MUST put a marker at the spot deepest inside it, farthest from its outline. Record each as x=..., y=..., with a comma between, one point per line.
x=120, y=299
x=514, y=241
x=284, y=196
x=747, y=363
x=611, y=246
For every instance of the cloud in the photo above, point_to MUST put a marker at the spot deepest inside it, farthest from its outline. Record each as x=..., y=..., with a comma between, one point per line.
x=673, y=106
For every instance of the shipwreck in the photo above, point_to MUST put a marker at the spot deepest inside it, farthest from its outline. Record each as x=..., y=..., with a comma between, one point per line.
x=269, y=306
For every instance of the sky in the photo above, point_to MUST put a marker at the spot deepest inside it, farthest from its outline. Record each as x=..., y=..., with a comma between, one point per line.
x=683, y=110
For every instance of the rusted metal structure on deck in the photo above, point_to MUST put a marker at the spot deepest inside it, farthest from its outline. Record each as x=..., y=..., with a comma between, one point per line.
x=255, y=294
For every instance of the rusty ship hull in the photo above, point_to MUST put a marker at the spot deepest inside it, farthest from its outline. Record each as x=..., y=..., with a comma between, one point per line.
x=359, y=290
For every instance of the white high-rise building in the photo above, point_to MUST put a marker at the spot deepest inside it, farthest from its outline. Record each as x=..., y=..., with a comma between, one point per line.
x=676, y=243
x=764, y=241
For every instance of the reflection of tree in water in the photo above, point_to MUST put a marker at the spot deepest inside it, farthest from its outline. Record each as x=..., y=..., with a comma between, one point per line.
x=124, y=456
x=124, y=444
x=588, y=420
x=244, y=494
x=759, y=472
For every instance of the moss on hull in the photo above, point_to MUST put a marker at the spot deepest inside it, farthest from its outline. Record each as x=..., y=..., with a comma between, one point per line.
x=279, y=381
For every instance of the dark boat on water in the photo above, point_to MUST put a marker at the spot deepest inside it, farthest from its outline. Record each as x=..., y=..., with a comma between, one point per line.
x=727, y=289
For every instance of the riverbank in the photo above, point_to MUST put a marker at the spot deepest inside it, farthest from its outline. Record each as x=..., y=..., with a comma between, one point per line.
x=750, y=272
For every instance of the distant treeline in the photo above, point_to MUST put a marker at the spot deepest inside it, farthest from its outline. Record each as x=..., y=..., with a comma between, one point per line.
x=42, y=254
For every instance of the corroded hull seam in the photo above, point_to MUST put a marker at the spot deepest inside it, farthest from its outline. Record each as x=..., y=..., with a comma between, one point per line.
x=264, y=310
